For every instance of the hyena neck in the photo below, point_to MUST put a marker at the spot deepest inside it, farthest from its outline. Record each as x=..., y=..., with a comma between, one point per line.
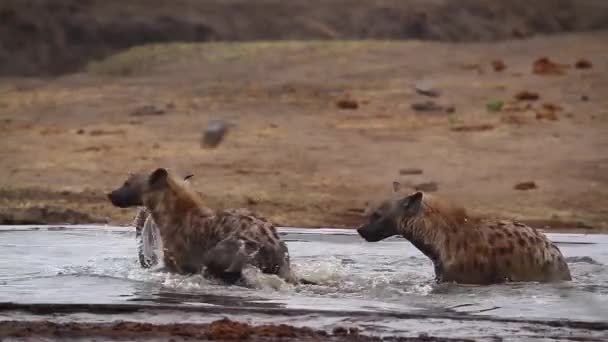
x=423, y=235
x=173, y=211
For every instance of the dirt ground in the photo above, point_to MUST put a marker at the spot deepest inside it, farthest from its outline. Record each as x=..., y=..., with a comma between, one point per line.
x=299, y=153
x=222, y=330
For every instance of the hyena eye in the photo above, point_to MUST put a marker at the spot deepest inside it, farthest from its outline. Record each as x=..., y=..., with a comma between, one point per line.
x=126, y=184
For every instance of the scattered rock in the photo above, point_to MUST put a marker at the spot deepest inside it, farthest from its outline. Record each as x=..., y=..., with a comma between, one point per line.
x=552, y=107
x=547, y=112
x=472, y=128
x=513, y=119
x=149, y=110
x=495, y=105
x=99, y=148
x=80, y=131
x=347, y=104
x=411, y=171
x=527, y=96
x=583, y=64
x=546, y=115
x=214, y=133
x=498, y=65
x=427, y=187
x=432, y=106
x=426, y=88
x=98, y=132
x=525, y=186
x=584, y=98
x=545, y=66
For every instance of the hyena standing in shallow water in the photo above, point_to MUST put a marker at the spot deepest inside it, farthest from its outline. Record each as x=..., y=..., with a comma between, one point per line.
x=194, y=237
x=149, y=244
x=467, y=250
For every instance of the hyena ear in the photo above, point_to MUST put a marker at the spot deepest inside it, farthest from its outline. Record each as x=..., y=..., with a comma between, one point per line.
x=413, y=203
x=158, y=177
x=397, y=186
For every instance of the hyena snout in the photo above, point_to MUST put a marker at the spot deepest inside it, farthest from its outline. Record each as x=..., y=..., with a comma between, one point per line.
x=124, y=198
x=368, y=233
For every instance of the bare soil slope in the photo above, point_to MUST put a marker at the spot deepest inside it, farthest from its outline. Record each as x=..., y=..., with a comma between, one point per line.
x=296, y=154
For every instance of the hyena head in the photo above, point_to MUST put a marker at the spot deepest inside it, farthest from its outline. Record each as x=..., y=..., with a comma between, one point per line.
x=385, y=221
x=133, y=190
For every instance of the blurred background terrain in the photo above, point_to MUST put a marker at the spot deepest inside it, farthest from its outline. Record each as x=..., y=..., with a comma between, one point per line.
x=499, y=105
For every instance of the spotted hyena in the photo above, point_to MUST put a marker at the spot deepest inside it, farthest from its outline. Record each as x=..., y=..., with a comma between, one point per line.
x=149, y=244
x=195, y=237
x=464, y=249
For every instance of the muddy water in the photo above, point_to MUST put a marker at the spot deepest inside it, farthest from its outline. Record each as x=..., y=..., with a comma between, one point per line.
x=384, y=288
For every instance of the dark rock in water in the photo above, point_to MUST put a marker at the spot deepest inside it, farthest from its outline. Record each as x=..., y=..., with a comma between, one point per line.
x=582, y=259
x=214, y=133
x=427, y=187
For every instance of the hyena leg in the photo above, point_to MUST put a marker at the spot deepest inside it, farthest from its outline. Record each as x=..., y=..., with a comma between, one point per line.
x=228, y=258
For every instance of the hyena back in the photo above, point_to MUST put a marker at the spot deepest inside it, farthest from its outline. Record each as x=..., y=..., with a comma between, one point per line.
x=194, y=237
x=468, y=250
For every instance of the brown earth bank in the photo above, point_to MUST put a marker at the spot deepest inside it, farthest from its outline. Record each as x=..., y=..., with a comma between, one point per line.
x=222, y=330
x=319, y=130
x=58, y=36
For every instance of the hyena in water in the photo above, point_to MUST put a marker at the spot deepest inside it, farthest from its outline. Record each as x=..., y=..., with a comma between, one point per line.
x=464, y=249
x=194, y=237
x=149, y=243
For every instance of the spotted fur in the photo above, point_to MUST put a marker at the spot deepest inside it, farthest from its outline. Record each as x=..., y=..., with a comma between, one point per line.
x=195, y=237
x=468, y=250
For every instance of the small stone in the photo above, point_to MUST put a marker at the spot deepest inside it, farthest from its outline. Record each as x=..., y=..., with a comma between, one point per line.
x=427, y=106
x=411, y=171
x=347, y=104
x=584, y=98
x=214, y=133
x=498, y=65
x=148, y=110
x=427, y=187
x=472, y=128
x=583, y=64
x=340, y=331
x=527, y=96
x=545, y=66
x=80, y=131
x=525, y=186
x=426, y=88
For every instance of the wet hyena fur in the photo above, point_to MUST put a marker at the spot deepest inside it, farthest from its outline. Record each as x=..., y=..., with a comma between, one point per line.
x=149, y=244
x=195, y=238
x=464, y=249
